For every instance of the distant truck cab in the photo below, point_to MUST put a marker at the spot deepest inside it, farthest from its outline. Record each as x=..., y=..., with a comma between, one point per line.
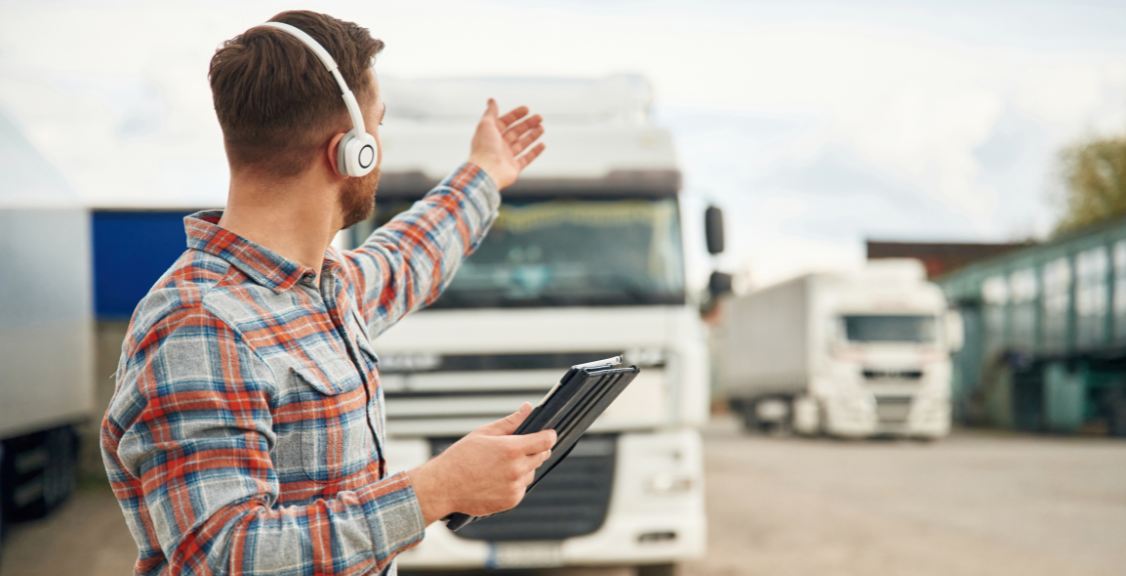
x=590, y=233
x=854, y=354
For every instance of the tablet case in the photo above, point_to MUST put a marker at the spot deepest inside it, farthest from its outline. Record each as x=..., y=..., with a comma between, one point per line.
x=581, y=396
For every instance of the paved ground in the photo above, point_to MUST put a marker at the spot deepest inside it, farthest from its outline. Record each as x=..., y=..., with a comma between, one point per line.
x=976, y=503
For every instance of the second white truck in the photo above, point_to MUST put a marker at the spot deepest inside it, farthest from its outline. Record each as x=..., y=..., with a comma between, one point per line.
x=855, y=354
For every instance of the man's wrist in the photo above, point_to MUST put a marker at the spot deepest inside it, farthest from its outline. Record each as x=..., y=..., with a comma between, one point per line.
x=491, y=169
x=432, y=493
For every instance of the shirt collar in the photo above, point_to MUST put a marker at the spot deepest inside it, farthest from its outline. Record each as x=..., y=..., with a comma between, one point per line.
x=261, y=264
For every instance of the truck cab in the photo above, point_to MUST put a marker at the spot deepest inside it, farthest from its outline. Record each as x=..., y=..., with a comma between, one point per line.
x=887, y=367
x=850, y=354
x=585, y=261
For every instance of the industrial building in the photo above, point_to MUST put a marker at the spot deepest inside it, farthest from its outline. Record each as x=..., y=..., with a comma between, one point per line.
x=1045, y=335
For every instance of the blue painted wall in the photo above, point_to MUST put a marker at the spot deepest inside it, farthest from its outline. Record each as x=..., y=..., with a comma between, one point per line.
x=132, y=249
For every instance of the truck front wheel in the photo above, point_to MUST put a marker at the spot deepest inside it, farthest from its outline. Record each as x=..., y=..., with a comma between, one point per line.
x=807, y=417
x=767, y=416
x=658, y=570
x=747, y=415
x=39, y=472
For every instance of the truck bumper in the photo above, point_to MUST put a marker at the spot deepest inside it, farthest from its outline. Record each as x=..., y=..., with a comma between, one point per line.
x=656, y=514
x=930, y=418
x=848, y=417
x=927, y=418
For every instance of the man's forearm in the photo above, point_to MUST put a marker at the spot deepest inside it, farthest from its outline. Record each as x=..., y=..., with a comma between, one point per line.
x=353, y=532
x=406, y=263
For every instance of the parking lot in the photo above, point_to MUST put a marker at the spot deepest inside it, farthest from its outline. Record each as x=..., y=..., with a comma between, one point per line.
x=976, y=503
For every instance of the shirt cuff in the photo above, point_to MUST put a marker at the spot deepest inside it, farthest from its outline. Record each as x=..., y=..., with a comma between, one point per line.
x=395, y=517
x=474, y=182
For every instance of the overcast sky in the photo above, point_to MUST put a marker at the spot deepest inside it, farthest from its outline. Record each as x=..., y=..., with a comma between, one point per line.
x=814, y=124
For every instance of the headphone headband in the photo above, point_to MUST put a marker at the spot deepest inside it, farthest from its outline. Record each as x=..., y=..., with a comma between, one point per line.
x=330, y=64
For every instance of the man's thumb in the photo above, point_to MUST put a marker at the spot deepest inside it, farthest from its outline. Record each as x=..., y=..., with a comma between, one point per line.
x=508, y=424
x=491, y=110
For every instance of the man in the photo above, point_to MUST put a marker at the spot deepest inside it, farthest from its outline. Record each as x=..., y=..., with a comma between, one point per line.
x=246, y=432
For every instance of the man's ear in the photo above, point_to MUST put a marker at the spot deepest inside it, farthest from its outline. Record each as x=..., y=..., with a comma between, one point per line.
x=331, y=151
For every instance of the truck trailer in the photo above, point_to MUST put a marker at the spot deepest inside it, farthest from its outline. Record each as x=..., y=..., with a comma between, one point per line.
x=585, y=261
x=850, y=354
x=46, y=330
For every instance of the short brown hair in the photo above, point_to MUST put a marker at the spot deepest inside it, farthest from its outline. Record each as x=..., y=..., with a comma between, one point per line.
x=277, y=104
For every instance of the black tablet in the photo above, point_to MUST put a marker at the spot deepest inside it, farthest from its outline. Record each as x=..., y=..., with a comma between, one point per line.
x=569, y=408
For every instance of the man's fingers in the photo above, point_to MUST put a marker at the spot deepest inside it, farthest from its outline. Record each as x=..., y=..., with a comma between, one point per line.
x=514, y=132
x=526, y=140
x=533, y=461
x=532, y=154
x=540, y=458
x=508, y=119
x=532, y=444
x=491, y=110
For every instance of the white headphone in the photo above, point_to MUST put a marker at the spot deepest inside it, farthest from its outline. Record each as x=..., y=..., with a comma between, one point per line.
x=357, y=152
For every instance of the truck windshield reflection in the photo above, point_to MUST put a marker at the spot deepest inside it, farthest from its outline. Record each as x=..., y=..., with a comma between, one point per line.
x=572, y=252
x=888, y=328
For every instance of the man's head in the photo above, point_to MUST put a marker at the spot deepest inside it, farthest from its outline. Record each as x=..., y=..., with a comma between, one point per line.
x=281, y=110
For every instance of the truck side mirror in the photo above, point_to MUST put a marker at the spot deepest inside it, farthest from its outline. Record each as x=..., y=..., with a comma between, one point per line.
x=719, y=284
x=713, y=229
x=954, y=330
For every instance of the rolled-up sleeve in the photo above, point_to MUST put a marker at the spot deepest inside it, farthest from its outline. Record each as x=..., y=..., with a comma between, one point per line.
x=406, y=263
x=187, y=441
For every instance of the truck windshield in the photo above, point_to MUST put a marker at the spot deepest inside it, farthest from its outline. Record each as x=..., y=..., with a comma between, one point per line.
x=570, y=252
x=871, y=328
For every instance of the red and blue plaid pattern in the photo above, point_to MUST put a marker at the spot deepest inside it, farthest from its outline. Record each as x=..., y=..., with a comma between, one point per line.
x=246, y=432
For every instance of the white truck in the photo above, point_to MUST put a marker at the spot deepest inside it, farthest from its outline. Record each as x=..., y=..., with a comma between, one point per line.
x=46, y=330
x=851, y=354
x=584, y=262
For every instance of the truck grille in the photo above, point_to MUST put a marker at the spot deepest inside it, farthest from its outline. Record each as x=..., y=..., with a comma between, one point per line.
x=875, y=374
x=450, y=395
x=892, y=409
x=403, y=363
x=571, y=501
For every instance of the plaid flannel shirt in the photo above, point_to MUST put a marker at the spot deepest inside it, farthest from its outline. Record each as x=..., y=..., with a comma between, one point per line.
x=246, y=432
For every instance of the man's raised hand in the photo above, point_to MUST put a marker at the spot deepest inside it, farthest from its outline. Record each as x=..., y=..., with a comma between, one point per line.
x=500, y=145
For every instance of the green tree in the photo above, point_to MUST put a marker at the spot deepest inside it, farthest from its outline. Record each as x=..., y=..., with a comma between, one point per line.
x=1094, y=173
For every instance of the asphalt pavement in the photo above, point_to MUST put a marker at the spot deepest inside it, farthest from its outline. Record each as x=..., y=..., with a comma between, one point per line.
x=976, y=503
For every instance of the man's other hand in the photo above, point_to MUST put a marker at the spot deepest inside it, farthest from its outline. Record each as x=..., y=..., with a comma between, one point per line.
x=500, y=145
x=485, y=472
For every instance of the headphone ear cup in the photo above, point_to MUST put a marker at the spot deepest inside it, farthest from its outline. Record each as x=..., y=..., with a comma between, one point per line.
x=357, y=155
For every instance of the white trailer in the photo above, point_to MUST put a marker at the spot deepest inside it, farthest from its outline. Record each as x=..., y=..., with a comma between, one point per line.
x=46, y=329
x=852, y=354
x=589, y=236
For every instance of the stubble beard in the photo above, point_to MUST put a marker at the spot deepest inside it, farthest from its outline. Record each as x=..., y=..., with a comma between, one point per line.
x=358, y=198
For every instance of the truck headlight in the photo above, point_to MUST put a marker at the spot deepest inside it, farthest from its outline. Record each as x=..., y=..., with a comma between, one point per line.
x=669, y=483
x=932, y=408
x=643, y=357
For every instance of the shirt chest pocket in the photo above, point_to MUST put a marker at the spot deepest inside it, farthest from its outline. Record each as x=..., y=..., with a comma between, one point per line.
x=367, y=355
x=334, y=435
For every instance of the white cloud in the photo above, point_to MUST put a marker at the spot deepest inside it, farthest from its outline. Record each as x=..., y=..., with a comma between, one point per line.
x=116, y=94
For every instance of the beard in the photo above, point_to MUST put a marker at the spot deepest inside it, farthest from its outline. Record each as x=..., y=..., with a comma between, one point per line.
x=357, y=199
